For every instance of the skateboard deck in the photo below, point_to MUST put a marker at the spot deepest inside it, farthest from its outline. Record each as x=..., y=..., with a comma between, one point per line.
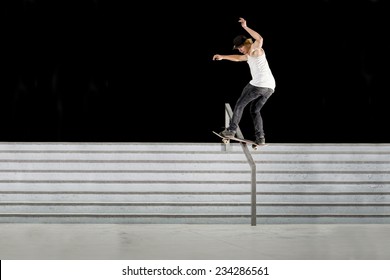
x=227, y=140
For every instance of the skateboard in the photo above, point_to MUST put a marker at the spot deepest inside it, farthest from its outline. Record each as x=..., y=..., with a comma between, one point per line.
x=227, y=140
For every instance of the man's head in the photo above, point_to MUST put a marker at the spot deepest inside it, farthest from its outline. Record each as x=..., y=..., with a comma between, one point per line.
x=241, y=40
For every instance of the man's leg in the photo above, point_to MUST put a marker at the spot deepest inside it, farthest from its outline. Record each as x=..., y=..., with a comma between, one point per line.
x=255, y=109
x=249, y=93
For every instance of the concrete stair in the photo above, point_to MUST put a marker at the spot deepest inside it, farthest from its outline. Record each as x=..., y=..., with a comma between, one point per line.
x=193, y=183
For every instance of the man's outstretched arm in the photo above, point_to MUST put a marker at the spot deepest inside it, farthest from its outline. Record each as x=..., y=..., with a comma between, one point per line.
x=231, y=57
x=255, y=35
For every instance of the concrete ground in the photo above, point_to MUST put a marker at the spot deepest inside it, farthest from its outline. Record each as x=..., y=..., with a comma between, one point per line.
x=194, y=242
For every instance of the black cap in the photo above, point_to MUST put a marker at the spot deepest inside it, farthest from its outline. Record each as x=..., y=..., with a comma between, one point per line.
x=238, y=41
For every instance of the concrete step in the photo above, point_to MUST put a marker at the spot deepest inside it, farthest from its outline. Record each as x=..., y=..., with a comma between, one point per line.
x=194, y=156
x=357, y=208
x=262, y=166
x=206, y=218
x=190, y=176
x=326, y=197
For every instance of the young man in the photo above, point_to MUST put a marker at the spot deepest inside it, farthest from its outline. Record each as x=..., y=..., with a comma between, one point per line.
x=259, y=89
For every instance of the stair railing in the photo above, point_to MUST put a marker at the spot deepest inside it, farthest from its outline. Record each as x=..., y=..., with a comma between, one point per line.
x=228, y=116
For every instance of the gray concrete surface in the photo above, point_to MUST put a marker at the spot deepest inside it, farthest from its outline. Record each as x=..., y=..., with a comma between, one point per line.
x=193, y=183
x=195, y=242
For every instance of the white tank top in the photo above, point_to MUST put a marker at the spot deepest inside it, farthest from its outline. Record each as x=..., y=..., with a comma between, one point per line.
x=260, y=71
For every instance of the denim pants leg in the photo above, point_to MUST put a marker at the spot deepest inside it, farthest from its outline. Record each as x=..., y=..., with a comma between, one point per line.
x=255, y=108
x=259, y=96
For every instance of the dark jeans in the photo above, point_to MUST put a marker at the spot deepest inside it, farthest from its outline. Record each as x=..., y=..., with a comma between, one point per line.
x=256, y=96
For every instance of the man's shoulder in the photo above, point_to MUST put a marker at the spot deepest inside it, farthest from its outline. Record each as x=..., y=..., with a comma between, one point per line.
x=256, y=51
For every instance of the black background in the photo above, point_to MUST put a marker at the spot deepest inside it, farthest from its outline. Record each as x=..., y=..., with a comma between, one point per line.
x=120, y=71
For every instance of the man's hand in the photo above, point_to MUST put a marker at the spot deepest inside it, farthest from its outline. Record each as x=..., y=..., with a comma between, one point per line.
x=243, y=22
x=217, y=57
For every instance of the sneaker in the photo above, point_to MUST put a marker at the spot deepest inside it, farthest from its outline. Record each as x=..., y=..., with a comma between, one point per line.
x=228, y=133
x=260, y=141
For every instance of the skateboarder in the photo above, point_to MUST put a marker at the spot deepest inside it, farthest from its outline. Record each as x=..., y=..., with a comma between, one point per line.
x=259, y=88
